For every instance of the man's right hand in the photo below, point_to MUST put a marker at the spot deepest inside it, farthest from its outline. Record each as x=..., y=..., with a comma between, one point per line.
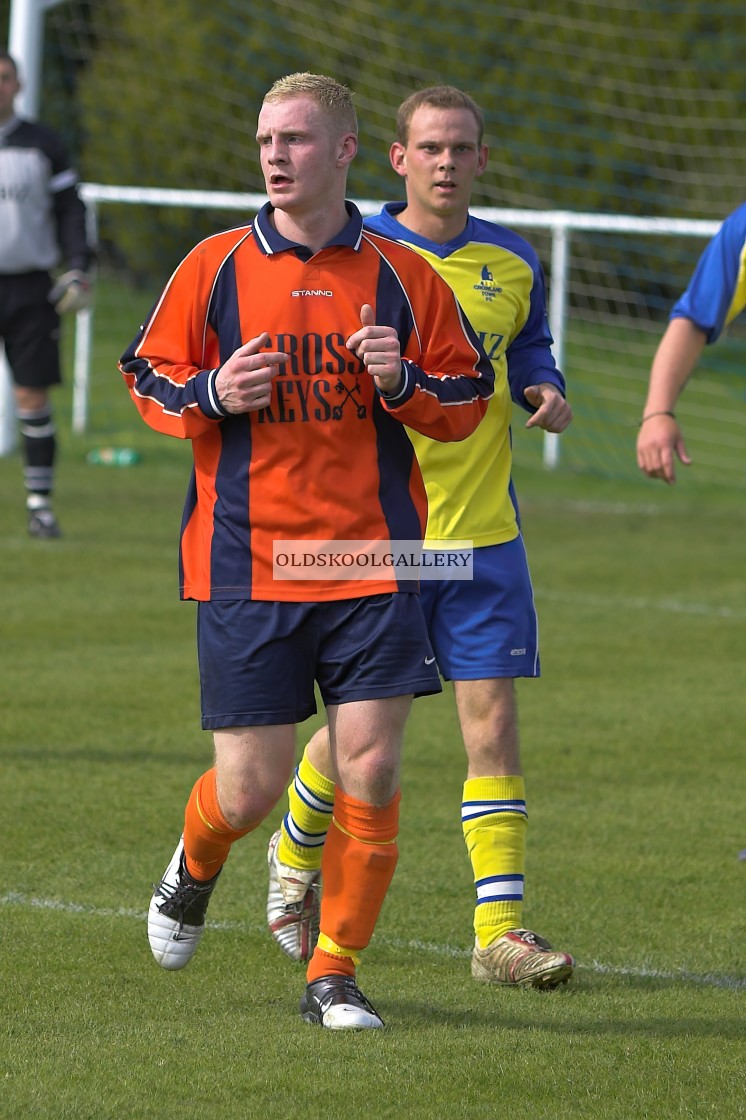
x=244, y=382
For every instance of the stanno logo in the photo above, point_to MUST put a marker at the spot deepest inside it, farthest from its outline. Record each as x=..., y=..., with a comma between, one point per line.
x=487, y=286
x=311, y=292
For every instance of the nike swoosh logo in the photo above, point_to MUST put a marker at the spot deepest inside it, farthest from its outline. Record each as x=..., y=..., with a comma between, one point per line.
x=429, y=660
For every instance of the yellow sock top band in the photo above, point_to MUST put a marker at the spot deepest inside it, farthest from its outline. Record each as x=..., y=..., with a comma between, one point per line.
x=328, y=946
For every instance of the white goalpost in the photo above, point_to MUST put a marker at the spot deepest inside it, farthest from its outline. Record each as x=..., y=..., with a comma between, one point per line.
x=560, y=224
x=640, y=144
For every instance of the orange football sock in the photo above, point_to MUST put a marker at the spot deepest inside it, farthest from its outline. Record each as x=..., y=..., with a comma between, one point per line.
x=360, y=856
x=207, y=834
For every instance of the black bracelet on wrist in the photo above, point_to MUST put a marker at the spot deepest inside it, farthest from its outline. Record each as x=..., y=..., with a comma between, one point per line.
x=663, y=412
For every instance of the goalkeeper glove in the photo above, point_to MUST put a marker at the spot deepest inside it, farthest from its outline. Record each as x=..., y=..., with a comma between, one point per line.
x=71, y=292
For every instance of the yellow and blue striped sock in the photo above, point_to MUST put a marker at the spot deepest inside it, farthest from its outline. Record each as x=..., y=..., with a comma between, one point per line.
x=494, y=819
x=305, y=825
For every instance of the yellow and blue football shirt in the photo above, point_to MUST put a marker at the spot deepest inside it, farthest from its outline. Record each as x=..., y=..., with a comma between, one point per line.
x=716, y=292
x=498, y=281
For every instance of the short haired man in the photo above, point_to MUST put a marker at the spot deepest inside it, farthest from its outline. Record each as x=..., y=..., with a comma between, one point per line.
x=291, y=352
x=42, y=221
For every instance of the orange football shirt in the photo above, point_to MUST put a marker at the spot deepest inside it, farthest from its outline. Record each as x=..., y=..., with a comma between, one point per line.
x=330, y=458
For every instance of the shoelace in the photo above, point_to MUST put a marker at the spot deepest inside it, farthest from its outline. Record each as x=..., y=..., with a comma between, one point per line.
x=350, y=989
x=529, y=938
x=182, y=895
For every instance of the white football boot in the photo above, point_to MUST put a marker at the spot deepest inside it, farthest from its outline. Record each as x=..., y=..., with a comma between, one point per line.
x=293, y=905
x=176, y=916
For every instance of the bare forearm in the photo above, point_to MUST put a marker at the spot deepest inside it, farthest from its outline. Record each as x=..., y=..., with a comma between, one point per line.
x=660, y=440
x=677, y=354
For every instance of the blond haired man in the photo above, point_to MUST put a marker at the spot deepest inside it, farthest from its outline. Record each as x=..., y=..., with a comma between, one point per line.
x=272, y=349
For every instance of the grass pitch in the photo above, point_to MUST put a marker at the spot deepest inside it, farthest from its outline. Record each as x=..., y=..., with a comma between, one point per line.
x=633, y=752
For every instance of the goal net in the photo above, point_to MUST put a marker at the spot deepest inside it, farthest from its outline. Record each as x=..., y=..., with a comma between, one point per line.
x=621, y=108
x=606, y=325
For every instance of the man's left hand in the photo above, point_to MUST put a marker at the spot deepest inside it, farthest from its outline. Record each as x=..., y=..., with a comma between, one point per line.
x=71, y=292
x=378, y=348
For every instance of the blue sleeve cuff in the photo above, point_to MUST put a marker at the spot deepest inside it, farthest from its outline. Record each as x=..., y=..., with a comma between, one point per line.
x=535, y=377
x=207, y=396
x=403, y=394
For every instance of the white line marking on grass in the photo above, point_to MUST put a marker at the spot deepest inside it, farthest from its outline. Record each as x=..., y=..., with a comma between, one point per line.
x=612, y=602
x=710, y=980
x=616, y=509
x=644, y=509
x=13, y=898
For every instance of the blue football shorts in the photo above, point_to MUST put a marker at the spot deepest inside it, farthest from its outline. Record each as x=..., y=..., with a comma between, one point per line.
x=485, y=628
x=258, y=661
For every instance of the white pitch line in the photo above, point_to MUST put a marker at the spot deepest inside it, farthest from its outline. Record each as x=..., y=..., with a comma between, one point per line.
x=613, y=509
x=613, y=602
x=709, y=980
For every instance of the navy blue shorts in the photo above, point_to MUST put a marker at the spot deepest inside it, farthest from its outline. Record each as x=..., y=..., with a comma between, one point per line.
x=258, y=661
x=30, y=330
x=485, y=628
